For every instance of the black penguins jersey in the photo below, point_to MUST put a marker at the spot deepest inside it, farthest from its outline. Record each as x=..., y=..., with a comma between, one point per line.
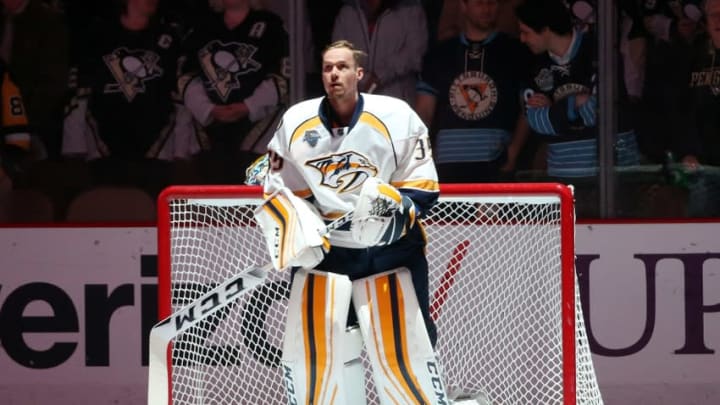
x=477, y=84
x=561, y=79
x=128, y=78
x=700, y=105
x=233, y=62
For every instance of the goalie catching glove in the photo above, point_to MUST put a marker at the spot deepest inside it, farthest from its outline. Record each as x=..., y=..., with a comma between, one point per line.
x=382, y=214
x=293, y=230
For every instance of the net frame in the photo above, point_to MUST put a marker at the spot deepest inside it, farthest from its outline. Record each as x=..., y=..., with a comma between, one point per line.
x=571, y=331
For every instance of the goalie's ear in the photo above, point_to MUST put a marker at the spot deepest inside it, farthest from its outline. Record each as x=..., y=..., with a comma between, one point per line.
x=293, y=230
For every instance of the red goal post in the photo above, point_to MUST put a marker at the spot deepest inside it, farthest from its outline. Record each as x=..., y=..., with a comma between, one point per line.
x=502, y=284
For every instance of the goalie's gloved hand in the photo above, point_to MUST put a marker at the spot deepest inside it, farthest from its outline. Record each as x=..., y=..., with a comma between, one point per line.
x=294, y=233
x=382, y=215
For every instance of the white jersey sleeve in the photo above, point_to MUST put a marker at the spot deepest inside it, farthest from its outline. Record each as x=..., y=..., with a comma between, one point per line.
x=283, y=169
x=416, y=175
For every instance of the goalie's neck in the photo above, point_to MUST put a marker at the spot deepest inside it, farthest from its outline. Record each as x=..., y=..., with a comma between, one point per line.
x=335, y=123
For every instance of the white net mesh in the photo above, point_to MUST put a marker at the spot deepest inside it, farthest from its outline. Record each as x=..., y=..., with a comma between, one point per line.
x=495, y=271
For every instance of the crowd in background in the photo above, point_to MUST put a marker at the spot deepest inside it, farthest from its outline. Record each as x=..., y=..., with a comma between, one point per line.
x=148, y=93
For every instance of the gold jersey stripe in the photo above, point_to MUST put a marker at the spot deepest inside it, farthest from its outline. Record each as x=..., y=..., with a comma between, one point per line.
x=423, y=184
x=375, y=122
x=302, y=128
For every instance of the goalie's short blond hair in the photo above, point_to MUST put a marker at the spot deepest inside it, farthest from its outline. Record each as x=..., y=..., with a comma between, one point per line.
x=358, y=55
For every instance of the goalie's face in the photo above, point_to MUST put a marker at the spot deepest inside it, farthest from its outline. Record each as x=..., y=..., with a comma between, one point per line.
x=340, y=74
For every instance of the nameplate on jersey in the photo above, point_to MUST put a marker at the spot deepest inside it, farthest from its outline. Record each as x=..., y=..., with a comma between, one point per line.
x=341, y=131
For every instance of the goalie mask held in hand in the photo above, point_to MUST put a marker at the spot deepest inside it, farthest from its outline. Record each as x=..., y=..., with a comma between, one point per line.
x=293, y=230
x=382, y=214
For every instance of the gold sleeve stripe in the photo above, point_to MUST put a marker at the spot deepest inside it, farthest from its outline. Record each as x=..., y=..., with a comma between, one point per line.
x=14, y=120
x=392, y=324
x=300, y=193
x=300, y=130
x=13, y=113
x=333, y=215
x=424, y=184
x=390, y=192
x=375, y=122
x=303, y=193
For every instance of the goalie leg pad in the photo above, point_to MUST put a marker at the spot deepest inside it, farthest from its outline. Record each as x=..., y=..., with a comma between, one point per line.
x=405, y=369
x=315, y=348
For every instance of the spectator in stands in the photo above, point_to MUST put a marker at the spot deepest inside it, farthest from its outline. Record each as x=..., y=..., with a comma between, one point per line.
x=35, y=47
x=470, y=98
x=583, y=13
x=15, y=142
x=670, y=26
x=433, y=10
x=393, y=33
x=633, y=47
x=697, y=116
x=122, y=117
x=668, y=20
x=234, y=82
x=698, y=106
x=562, y=100
x=451, y=21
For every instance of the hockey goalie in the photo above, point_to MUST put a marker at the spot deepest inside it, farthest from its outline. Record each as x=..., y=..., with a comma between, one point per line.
x=365, y=158
x=322, y=346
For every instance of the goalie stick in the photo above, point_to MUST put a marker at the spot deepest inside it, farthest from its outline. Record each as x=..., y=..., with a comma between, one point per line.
x=199, y=310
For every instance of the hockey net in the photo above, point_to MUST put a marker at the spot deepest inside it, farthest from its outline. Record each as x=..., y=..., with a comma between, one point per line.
x=502, y=283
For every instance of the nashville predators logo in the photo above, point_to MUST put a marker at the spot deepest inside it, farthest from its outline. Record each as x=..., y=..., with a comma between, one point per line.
x=473, y=95
x=344, y=171
x=223, y=64
x=131, y=69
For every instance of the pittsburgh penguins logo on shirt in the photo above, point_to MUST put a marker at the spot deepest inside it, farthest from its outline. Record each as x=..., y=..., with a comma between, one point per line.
x=131, y=69
x=343, y=171
x=223, y=64
x=473, y=95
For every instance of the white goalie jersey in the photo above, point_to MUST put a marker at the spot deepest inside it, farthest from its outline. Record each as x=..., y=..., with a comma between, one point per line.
x=328, y=165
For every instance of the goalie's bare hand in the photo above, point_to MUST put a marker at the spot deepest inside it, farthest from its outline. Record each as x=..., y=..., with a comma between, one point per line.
x=382, y=215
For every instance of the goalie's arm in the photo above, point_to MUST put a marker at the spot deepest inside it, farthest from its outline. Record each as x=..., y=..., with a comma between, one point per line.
x=416, y=176
x=282, y=171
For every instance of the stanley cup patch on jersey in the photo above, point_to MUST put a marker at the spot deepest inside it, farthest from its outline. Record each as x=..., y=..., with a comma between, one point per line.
x=131, y=69
x=223, y=64
x=473, y=95
x=311, y=137
x=344, y=171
